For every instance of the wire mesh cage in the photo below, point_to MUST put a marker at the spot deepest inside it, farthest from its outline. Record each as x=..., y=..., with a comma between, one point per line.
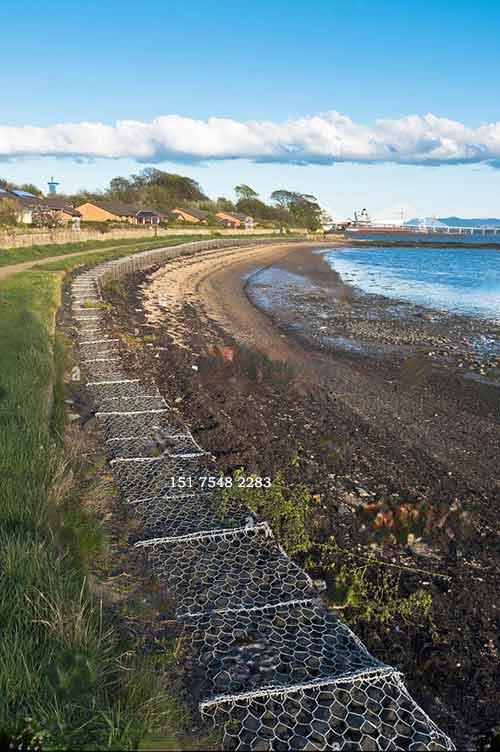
x=157, y=476
x=275, y=646
x=228, y=569
x=179, y=514
x=273, y=667
x=358, y=713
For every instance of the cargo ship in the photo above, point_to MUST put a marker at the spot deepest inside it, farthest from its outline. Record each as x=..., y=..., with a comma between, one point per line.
x=363, y=229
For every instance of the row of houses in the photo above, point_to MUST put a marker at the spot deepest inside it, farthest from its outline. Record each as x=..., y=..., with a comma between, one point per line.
x=27, y=204
x=106, y=211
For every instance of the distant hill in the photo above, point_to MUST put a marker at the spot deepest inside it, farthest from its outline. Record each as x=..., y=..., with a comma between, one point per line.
x=455, y=221
x=429, y=221
x=460, y=222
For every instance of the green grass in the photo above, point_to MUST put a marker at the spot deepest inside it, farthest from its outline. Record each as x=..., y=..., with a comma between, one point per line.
x=285, y=508
x=122, y=250
x=97, y=258
x=66, y=680
x=34, y=253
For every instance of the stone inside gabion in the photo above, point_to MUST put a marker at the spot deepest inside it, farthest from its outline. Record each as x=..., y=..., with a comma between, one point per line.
x=147, y=422
x=373, y=713
x=109, y=370
x=282, y=646
x=276, y=670
x=99, y=349
x=184, y=514
x=174, y=445
x=116, y=395
x=232, y=570
x=136, y=403
x=158, y=476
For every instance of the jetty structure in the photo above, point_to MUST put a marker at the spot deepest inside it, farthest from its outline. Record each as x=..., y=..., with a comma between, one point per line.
x=361, y=227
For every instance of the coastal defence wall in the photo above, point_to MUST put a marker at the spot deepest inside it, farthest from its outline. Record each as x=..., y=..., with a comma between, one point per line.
x=60, y=236
x=276, y=670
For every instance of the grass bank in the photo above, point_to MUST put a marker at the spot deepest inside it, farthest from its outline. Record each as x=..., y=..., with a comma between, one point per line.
x=67, y=680
x=10, y=256
x=33, y=253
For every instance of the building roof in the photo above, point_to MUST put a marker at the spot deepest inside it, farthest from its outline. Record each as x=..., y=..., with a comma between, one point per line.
x=55, y=203
x=21, y=200
x=198, y=213
x=235, y=215
x=29, y=201
x=23, y=194
x=123, y=210
x=149, y=212
x=116, y=208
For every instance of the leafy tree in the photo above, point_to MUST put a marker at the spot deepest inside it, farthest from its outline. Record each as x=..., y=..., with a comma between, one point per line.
x=178, y=186
x=283, y=198
x=81, y=197
x=9, y=210
x=303, y=207
x=224, y=204
x=306, y=212
x=30, y=188
x=163, y=191
x=255, y=208
x=6, y=184
x=245, y=192
x=155, y=189
x=121, y=189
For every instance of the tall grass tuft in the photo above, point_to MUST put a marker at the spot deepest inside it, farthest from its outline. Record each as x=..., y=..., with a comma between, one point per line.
x=65, y=680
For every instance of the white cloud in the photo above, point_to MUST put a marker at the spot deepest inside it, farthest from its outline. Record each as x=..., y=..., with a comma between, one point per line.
x=322, y=139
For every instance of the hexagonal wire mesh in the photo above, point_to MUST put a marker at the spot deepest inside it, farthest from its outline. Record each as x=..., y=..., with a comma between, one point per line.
x=275, y=646
x=181, y=513
x=227, y=569
x=373, y=712
x=275, y=669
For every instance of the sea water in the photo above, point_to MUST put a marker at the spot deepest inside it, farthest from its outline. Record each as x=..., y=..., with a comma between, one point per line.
x=458, y=280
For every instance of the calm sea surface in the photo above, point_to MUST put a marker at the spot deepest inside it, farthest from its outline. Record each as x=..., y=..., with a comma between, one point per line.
x=460, y=280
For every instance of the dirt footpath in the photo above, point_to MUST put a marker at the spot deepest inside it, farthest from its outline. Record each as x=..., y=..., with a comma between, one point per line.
x=9, y=271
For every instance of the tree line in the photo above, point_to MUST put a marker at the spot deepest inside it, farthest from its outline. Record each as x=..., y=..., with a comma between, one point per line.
x=164, y=191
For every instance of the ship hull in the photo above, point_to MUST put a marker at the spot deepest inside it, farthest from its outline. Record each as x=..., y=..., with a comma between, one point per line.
x=474, y=236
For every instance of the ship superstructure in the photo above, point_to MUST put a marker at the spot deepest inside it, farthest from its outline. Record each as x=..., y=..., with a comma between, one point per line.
x=425, y=230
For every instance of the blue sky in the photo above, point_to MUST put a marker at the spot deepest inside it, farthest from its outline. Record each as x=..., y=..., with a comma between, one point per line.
x=261, y=61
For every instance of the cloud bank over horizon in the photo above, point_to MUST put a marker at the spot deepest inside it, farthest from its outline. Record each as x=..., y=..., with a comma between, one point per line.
x=321, y=139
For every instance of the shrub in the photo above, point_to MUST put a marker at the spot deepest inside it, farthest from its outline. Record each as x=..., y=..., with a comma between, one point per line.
x=285, y=508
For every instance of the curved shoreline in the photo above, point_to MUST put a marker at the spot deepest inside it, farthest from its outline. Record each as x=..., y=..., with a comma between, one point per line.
x=373, y=324
x=438, y=412
x=403, y=432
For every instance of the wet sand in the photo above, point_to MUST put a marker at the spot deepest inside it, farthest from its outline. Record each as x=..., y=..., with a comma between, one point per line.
x=215, y=282
x=428, y=408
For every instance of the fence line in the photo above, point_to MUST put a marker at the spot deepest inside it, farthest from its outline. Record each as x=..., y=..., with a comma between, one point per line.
x=63, y=235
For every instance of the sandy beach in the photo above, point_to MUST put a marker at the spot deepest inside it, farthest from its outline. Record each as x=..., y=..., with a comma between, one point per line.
x=400, y=451
x=378, y=388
